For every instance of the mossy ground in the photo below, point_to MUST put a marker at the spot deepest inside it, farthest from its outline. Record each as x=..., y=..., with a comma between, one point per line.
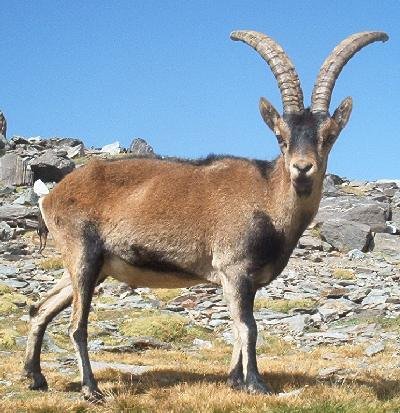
x=282, y=306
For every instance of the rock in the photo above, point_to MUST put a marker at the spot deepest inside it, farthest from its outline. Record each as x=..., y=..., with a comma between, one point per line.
x=3, y=125
x=11, y=282
x=346, y=235
x=50, y=167
x=356, y=255
x=76, y=151
x=125, y=368
x=326, y=372
x=3, y=144
x=138, y=344
x=373, y=214
x=112, y=148
x=296, y=323
x=15, y=212
x=387, y=244
x=40, y=188
x=6, y=232
x=139, y=147
x=197, y=342
x=334, y=309
x=330, y=182
x=374, y=349
x=375, y=297
x=14, y=170
x=8, y=270
x=28, y=197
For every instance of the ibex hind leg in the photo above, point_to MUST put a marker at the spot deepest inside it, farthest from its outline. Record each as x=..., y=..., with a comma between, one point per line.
x=56, y=300
x=84, y=265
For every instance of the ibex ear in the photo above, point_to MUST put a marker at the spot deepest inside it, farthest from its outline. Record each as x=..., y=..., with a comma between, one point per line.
x=269, y=114
x=342, y=114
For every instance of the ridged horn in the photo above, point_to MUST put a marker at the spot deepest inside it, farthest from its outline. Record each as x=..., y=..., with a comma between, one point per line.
x=280, y=64
x=334, y=63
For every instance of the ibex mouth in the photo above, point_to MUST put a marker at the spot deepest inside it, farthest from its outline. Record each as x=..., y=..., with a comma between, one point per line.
x=303, y=185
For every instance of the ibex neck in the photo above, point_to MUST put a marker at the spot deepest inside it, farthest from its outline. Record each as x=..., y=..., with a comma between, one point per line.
x=290, y=212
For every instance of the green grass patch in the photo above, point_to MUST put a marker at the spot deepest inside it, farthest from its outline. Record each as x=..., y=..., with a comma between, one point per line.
x=170, y=328
x=282, y=306
x=274, y=346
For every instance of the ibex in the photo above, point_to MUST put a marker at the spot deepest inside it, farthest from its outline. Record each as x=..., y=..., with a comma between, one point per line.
x=175, y=223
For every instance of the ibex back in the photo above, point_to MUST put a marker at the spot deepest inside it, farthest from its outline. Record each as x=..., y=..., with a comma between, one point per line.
x=172, y=223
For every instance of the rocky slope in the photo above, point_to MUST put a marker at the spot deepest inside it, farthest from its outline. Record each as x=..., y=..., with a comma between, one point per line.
x=341, y=285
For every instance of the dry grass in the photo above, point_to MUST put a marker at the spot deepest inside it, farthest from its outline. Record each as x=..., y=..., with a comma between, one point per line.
x=51, y=263
x=344, y=274
x=282, y=306
x=166, y=294
x=195, y=382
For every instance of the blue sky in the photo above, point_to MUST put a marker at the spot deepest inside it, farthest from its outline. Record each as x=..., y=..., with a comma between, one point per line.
x=167, y=71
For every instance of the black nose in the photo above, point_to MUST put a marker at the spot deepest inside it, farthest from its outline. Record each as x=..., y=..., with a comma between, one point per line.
x=303, y=167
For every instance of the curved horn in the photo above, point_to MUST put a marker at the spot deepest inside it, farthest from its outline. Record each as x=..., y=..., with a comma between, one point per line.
x=281, y=66
x=334, y=63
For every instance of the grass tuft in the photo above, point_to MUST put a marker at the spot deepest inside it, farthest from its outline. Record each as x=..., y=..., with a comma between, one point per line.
x=51, y=263
x=282, y=306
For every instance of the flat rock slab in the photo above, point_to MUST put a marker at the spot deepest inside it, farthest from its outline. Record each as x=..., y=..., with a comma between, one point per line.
x=124, y=368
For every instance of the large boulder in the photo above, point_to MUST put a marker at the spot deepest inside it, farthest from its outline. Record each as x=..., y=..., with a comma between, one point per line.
x=346, y=235
x=139, y=147
x=49, y=167
x=387, y=244
x=112, y=148
x=364, y=210
x=14, y=170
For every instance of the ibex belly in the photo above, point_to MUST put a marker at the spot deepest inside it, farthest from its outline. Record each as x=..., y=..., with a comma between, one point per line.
x=143, y=277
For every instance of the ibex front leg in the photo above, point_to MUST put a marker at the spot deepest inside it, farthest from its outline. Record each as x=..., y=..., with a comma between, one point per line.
x=239, y=291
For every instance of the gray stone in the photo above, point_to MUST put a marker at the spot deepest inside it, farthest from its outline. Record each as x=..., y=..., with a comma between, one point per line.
x=15, y=212
x=6, y=232
x=76, y=151
x=374, y=348
x=49, y=167
x=125, y=368
x=334, y=309
x=373, y=214
x=387, y=244
x=28, y=197
x=8, y=270
x=14, y=170
x=356, y=255
x=112, y=148
x=139, y=147
x=197, y=342
x=297, y=322
x=346, y=235
x=11, y=282
x=375, y=297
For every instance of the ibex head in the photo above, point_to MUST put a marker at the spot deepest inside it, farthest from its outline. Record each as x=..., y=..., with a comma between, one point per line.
x=306, y=136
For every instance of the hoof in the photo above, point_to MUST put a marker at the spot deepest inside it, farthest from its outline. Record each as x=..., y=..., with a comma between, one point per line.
x=257, y=386
x=92, y=395
x=38, y=380
x=235, y=382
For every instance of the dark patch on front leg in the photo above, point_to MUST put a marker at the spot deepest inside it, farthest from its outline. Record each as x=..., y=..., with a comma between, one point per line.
x=263, y=243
